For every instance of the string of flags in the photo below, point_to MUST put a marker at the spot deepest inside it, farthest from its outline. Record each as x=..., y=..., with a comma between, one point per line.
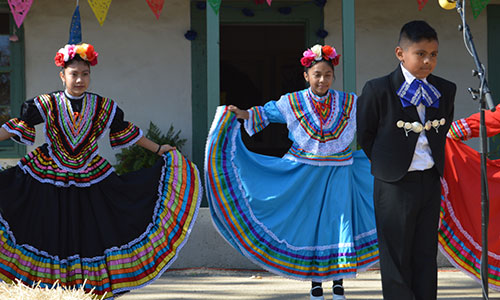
x=20, y=8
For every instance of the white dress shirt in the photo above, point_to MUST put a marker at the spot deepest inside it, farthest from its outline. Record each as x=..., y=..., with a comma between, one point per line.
x=422, y=158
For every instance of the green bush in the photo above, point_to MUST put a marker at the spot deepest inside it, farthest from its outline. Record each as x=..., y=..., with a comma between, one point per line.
x=136, y=157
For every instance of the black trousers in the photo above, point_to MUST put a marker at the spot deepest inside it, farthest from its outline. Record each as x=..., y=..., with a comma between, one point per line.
x=407, y=216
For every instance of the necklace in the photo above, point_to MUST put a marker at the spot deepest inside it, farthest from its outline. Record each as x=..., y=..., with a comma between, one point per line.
x=74, y=117
x=323, y=109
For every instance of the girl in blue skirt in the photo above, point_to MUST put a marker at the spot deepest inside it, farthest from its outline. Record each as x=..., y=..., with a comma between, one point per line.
x=308, y=215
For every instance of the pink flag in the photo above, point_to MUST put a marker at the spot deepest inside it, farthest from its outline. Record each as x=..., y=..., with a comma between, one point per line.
x=156, y=6
x=269, y=2
x=19, y=9
x=421, y=4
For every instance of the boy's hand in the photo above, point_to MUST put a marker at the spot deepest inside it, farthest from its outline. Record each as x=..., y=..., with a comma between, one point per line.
x=240, y=114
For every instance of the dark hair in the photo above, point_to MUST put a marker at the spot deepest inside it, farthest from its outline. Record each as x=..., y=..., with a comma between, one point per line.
x=418, y=30
x=329, y=62
x=76, y=58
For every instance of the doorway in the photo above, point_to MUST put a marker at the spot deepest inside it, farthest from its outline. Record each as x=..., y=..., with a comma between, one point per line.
x=299, y=14
x=259, y=63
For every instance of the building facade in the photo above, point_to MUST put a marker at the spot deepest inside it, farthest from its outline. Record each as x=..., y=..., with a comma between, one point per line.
x=156, y=72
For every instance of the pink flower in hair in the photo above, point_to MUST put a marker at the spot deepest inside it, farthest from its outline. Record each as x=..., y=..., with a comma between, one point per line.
x=70, y=50
x=308, y=53
x=334, y=54
x=318, y=53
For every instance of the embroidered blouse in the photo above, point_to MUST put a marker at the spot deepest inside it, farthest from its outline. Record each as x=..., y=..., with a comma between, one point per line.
x=321, y=128
x=72, y=129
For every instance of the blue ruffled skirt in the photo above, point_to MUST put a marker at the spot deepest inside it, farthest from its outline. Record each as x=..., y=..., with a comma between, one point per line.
x=296, y=220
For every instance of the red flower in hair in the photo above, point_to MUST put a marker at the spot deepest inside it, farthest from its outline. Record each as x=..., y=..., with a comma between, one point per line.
x=91, y=54
x=335, y=61
x=59, y=59
x=306, y=61
x=94, y=61
x=327, y=51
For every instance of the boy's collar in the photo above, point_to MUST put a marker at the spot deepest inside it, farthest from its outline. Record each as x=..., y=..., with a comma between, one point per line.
x=409, y=77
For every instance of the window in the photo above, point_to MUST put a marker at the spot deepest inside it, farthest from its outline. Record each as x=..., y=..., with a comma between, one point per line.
x=12, y=91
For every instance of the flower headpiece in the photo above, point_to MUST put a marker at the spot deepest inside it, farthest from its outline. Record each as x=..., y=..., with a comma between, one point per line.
x=85, y=51
x=318, y=53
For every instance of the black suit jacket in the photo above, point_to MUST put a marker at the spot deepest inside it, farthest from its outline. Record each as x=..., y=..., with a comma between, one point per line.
x=387, y=146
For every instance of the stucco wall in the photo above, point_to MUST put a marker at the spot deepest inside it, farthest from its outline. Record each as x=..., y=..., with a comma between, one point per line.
x=144, y=63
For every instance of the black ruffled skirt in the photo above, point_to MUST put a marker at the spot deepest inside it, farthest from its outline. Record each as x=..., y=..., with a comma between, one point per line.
x=116, y=233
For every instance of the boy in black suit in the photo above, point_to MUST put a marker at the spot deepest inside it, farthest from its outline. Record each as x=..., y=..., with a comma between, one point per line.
x=402, y=120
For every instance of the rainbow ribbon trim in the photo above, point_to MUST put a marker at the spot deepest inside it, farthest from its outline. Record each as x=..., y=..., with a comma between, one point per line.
x=128, y=267
x=128, y=136
x=73, y=145
x=460, y=248
x=227, y=198
x=311, y=125
x=460, y=130
x=340, y=158
x=25, y=134
x=257, y=120
x=45, y=170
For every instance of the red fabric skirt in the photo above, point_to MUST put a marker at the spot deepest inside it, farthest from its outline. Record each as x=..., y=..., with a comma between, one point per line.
x=460, y=236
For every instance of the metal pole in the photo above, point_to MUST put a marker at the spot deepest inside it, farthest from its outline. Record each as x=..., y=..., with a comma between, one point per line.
x=485, y=99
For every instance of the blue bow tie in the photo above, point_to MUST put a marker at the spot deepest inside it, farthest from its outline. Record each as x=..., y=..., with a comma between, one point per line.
x=419, y=92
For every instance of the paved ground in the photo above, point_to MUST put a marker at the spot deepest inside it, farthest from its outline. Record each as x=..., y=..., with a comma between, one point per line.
x=245, y=284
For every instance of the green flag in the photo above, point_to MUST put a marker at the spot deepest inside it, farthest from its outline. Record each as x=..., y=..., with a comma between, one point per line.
x=215, y=4
x=478, y=6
